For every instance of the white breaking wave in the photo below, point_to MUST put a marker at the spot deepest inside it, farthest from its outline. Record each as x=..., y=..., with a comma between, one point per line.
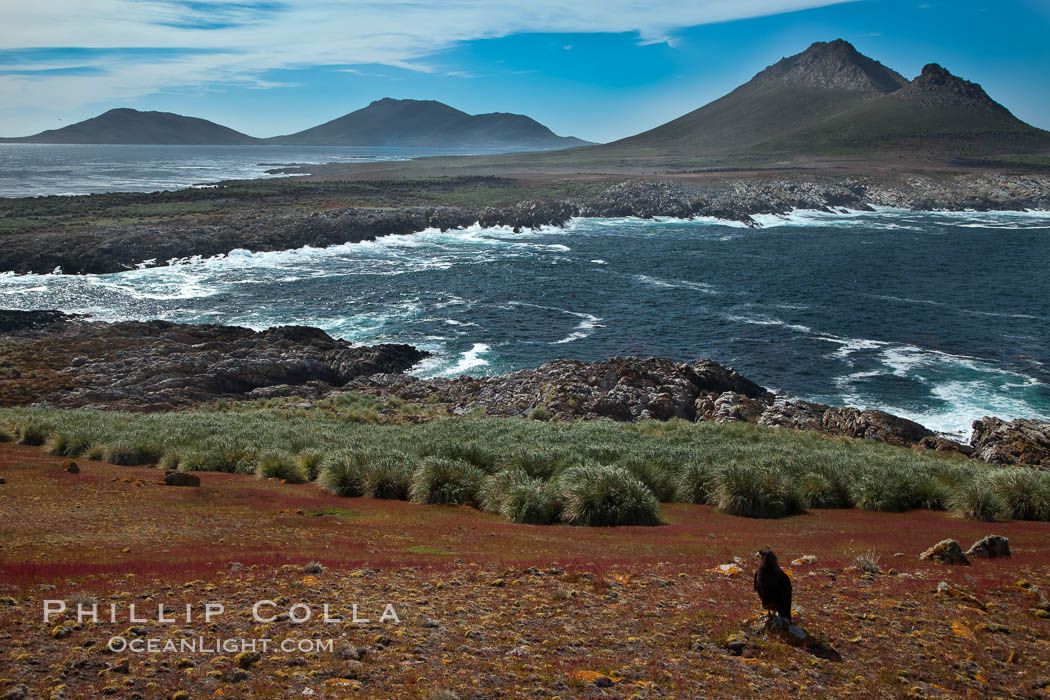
x=468, y=360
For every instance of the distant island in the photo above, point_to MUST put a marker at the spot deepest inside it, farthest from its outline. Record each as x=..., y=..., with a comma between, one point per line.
x=385, y=122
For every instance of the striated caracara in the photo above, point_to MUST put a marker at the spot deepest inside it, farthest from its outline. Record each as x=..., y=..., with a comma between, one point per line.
x=773, y=585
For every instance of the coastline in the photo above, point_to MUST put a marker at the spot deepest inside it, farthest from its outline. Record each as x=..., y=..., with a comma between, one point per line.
x=100, y=234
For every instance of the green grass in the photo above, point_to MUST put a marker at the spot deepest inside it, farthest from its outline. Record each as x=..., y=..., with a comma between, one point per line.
x=534, y=471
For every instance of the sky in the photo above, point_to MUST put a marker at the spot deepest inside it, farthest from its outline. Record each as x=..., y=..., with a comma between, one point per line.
x=596, y=69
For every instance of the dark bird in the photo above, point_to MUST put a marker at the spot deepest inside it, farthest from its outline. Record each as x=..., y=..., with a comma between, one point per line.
x=773, y=585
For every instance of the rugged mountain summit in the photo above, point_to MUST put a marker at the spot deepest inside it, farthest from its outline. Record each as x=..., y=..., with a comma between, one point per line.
x=130, y=126
x=427, y=123
x=833, y=65
x=935, y=85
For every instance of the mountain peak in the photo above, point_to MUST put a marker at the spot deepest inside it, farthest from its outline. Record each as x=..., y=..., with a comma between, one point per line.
x=937, y=84
x=834, y=65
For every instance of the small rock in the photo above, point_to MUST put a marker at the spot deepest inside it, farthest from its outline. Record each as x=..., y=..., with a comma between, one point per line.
x=990, y=547
x=180, y=695
x=3, y=480
x=946, y=552
x=238, y=675
x=173, y=478
x=61, y=632
x=431, y=624
x=735, y=644
x=247, y=659
x=71, y=467
x=353, y=670
x=603, y=682
x=122, y=666
x=78, y=362
x=950, y=591
x=18, y=692
x=347, y=650
x=804, y=559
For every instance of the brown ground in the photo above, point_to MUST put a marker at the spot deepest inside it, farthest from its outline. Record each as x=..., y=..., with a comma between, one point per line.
x=488, y=608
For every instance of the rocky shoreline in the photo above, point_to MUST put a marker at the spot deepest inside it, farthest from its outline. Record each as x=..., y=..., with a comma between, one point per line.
x=105, y=245
x=48, y=358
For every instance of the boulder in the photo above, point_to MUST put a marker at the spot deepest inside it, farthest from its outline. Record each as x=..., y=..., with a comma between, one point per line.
x=946, y=552
x=729, y=407
x=1021, y=441
x=173, y=478
x=797, y=415
x=873, y=425
x=990, y=547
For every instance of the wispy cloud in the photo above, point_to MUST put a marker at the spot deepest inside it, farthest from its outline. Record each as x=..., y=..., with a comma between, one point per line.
x=197, y=43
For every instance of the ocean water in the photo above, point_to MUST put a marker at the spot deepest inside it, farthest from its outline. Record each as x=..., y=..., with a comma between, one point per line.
x=939, y=317
x=30, y=170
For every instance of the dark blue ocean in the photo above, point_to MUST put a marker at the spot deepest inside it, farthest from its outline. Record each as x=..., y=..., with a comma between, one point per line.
x=939, y=317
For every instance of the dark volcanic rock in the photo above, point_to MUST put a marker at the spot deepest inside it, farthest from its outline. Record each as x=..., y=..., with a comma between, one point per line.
x=174, y=478
x=990, y=547
x=1020, y=441
x=873, y=425
x=158, y=365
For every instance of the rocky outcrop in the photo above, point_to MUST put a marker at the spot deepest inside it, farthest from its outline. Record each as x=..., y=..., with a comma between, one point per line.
x=990, y=547
x=156, y=365
x=1019, y=441
x=174, y=478
x=621, y=388
x=946, y=552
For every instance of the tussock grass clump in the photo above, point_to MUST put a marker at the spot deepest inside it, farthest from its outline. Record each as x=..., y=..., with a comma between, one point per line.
x=233, y=458
x=33, y=432
x=881, y=490
x=695, y=483
x=443, y=480
x=388, y=476
x=601, y=494
x=976, y=500
x=756, y=492
x=817, y=490
x=655, y=473
x=341, y=475
x=531, y=501
x=276, y=465
x=515, y=483
x=64, y=443
x=472, y=452
x=132, y=454
x=537, y=463
x=170, y=460
x=540, y=413
x=1024, y=493
x=5, y=435
x=309, y=463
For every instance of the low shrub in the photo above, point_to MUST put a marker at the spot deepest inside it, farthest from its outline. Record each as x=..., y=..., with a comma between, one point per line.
x=443, y=480
x=277, y=465
x=598, y=494
x=756, y=492
x=1023, y=492
x=540, y=413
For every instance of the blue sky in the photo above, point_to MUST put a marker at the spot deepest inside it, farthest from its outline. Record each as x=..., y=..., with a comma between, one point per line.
x=595, y=69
